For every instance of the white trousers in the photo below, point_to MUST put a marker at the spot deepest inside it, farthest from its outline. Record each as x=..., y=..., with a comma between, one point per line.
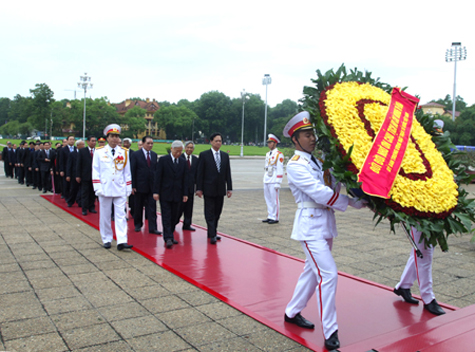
x=319, y=275
x=119, y=219
x=271, y=194
x=420, y=269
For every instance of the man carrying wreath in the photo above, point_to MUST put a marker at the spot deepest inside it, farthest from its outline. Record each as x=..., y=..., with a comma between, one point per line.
x=316, y=195
x=112, y=183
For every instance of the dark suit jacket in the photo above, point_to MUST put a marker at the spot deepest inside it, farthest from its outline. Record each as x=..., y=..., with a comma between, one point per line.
x=28, y=157
x=12, y=156
x=71, y=165
x=209, y=180
x=5, y=154
x=192, y=173
x=63, y=158
x=44, y=165
x=143, y=176
x=170, y=180
x=84, y=164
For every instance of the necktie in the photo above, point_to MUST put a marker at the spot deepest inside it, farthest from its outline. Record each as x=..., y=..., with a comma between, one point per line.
x=92, y=154
x=148, y=159
x=315, y=161
x=113, y=152
x=47, y=154
x=189, y=163
x=218, y=161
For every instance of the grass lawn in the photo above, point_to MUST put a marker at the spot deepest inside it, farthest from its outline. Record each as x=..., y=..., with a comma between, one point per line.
x=161, y=148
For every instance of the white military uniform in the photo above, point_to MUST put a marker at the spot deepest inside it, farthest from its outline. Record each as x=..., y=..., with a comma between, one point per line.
x=113, y=184
x=272, y=181
x=420, y=269
x=315, y=227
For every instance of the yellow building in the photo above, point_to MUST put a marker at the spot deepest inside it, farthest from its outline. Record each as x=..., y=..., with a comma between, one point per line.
x=151, y=107
x=433, y=108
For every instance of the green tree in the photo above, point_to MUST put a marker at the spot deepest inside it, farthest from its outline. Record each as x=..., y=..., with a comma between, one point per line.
x=21, y=108
x=99, y=114
x=133, y=122
x=460, y=104
x=4, y=110
x=214, y=112
x=177, y=121
x=11, y=128
x=42, y=98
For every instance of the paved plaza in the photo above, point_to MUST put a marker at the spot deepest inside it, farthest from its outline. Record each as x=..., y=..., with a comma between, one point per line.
x=61, y=291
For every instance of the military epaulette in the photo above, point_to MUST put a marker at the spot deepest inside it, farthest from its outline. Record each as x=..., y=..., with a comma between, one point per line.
x=295, y=157
x=99, y=147
x=126, y=149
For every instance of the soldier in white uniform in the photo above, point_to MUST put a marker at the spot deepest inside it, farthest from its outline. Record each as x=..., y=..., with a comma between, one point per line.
x=273, y=179
x=420, y=269
x=112, y=184
x=316, y=195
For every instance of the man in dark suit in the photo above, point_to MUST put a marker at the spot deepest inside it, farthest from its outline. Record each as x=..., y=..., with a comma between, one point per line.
x=36, y=166
x=46, y=166
x=29, y=165
x=63, y=163
x=6, y=162
x=21, y=155
x=71, y=174
x=12, y=161
x=214, y=182
x=143, y=164
x=84, y=176
x=170, y=189
x=192, y=166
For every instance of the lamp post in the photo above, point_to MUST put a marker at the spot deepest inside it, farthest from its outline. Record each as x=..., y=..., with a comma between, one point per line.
x=85, y=83
x=244, y=96
x=266, y=81
x=454, y=54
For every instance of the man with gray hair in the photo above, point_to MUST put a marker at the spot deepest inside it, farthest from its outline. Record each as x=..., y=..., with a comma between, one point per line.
x=170, y=189
x=192, y=169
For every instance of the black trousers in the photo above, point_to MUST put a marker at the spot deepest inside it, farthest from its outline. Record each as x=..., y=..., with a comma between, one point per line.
x=21, y=174
x=46, y=180
x=170, y=212
x=145, y=200
x=88, y=197
x=186, y=209
x=37, y=179
x=74, y=192
x=29, y=176
x=58, y=183
x=66, y=188
x=213, y=208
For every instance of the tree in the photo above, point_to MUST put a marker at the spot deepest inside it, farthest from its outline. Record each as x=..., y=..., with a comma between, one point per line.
x=4, y=109
x=42, y=98
x=177, y=121
x=460, y=104
x=21, y=108
x=99, y=114
x=134, y=121
x=214, y=112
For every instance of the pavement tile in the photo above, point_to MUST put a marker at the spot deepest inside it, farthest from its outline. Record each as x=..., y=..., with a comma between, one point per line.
x=96, y=286
x=39, y=264
x=32, y=257
x=9, y=267
x=49, y=282
x=95, y=276
x=116, y=346
x=218, y=310
x=270, y=340
x=108, y=298
x=123, y=311
x=15, y=286
x=64, y=291
x=198, y=298
x=179, y=286
x=71, y=260
x=138, y=326
x=147, y=292
x=183, y=317
x=89, y=336
x=79, y=269
x=42, y=273
x=164, y=304
x=79, y=319
x=66, y=305
x=165, y=341
x=27, y=327
x=204, y=333
x=229, y=345
x=51, y=342
x=12, y=276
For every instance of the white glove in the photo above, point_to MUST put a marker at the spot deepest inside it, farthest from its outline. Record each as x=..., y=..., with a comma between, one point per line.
x=357, y=203
x=277, y=185
x=99, y=193
x=129, y=193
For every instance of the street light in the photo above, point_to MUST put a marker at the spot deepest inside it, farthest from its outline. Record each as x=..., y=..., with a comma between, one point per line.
x=266, y=81
x=84, y=84
x=457, y=53
x=244, y=96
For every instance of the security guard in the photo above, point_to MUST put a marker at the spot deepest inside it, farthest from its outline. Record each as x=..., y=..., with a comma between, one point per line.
x=112, y=184
x=316, y=195
x=272, y=179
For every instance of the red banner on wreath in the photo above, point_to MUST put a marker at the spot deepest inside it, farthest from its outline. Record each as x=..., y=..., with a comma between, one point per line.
x=384, y=160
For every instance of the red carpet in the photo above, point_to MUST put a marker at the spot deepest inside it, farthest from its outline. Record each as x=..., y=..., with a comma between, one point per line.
x=259, y=282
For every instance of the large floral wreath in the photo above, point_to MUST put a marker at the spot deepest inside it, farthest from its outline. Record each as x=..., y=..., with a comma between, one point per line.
x=348, y=111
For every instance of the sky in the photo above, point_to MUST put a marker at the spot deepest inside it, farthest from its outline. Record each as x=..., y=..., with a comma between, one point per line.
x=172, y=50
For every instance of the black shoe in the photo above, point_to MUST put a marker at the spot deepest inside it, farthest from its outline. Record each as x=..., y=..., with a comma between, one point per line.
x=300, y=321
x=174, y=241
x=45, y=191
x=332, y=343
x=266, y=220
x=62, y=197
x=69, y=205
x=213, y=240
x=84, y=212
x=434, y=308
x=107, y=245
x=138, y=229
x=218, y=238
x=154, y=232
x=34, y=187
x=270, y=222
x=93, y=211
x=169, y=243
x=124, y=246
x=189, y=228
x=405, y=293
x=112, y=219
